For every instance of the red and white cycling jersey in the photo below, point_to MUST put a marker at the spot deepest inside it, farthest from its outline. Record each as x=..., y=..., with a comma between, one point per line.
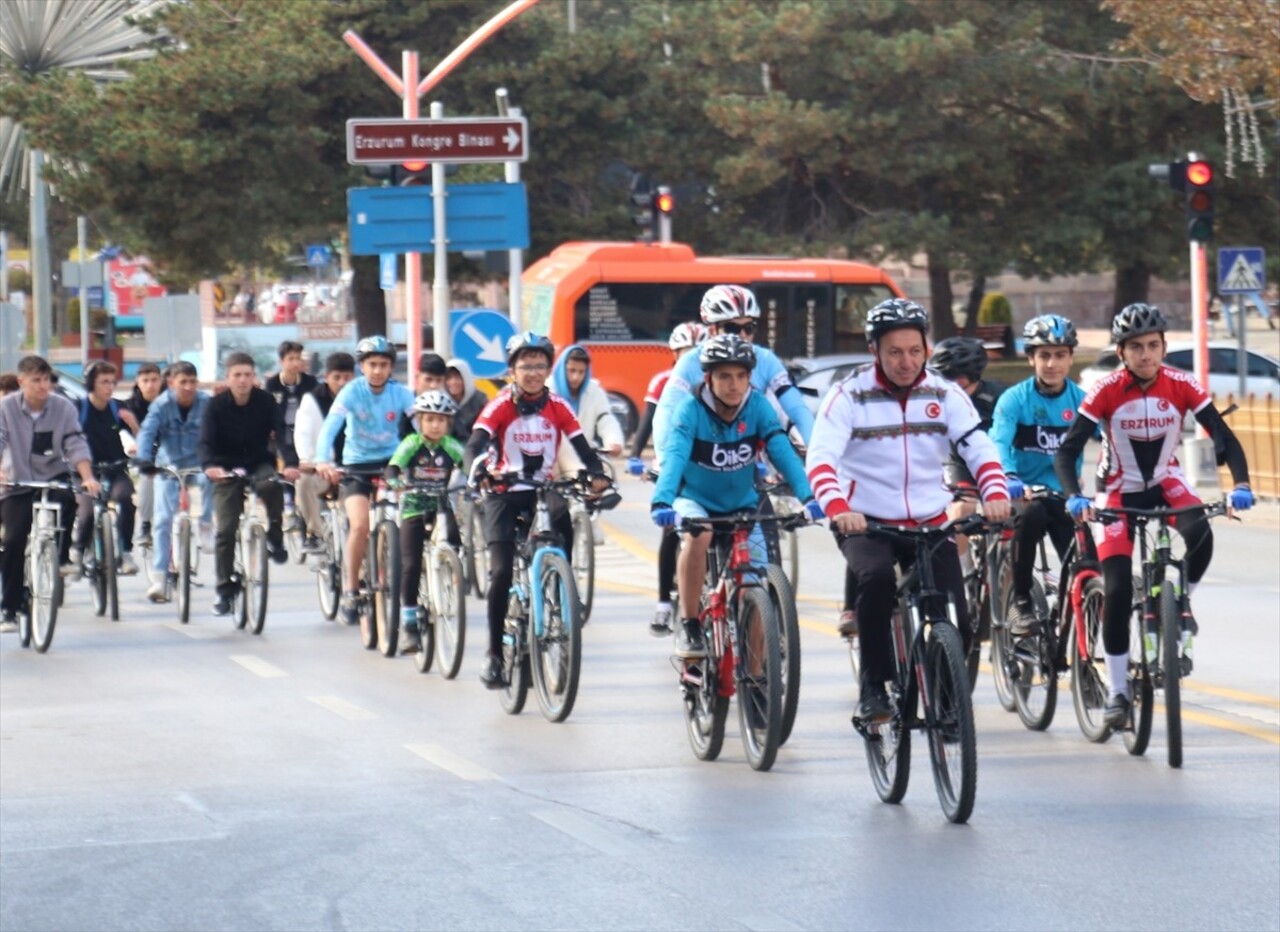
x=1141, y=429
x=653, y=393
x=532, y=439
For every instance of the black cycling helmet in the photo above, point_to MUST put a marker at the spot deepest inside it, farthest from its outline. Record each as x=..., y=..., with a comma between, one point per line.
x=1135, y=320
x=726, y=348
x=375, y=346
x=895, y=314
x=528, y=340
x=957, y=356
x=1049, y=330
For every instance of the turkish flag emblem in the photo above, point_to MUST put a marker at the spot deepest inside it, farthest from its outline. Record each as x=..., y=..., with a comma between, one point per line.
x=933, y=409
x=1068, y=415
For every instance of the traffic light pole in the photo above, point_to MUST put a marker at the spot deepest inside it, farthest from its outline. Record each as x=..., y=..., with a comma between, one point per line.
x=1200, y=318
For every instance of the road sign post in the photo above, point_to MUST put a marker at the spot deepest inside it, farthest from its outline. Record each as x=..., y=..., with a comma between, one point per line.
x=1242, y=271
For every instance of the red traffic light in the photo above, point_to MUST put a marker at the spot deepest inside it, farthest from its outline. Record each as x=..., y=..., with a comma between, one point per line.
x=1199, y=173
x=665, y=202
x=414, y=166
x=1199, y=202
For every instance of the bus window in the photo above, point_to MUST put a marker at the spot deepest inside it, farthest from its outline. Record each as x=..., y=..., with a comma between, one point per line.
x=852, y=304
x=796, y=318
x=629, y=313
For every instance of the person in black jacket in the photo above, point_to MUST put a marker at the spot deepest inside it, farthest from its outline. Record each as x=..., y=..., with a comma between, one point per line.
x=235, y=434
x=287, y=387
x=147, y=386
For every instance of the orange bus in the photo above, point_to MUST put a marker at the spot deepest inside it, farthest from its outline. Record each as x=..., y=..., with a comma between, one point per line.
x=622, y=300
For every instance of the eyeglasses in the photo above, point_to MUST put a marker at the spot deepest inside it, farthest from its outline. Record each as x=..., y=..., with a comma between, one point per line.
x=748, y=328
x=533, y=367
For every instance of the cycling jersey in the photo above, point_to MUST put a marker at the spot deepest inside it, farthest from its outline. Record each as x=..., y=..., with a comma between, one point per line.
x=653, y=394
x=428, y=463
x=372, y=421
x=1028, y=429
x=769, y=376
x=527, y=435
x=880, y=452
x=713, y=461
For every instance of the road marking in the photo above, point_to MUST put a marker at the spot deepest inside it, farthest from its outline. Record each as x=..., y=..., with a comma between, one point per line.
x=447, y=760
x=347, y=710
x=1270, y=702
x=258, y=665
x=1271, y=735
x=192, y=631
x=767, y=922
x=587, y=830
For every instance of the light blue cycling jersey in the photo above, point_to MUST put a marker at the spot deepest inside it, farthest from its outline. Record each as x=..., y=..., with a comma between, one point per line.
x=1027, y=428
x=713, y=461
x=372, y=420
x=769, y=377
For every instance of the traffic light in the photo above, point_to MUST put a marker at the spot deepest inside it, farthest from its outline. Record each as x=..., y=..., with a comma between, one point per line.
x=403, y=174
x=1199, y=188
x=665, y=202
x=642, y=199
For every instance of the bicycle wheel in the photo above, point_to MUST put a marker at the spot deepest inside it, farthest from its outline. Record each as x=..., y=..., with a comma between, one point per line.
x=758, y=678
x=108, y=567
x=953, y=743
x=978, y=598
x=44, y=595
x=1001, y=649
x=426, y=654
x=449, y=615
x=98, y=576
x=386, y=586
x=294, y=535
x=888, y=746
x=515, y=668
x=705, y=709
x=479, y=553
x=1171, y=644
x=1088, y=663
x=555, y=652
x=1035, y=688
x=256, y=579
x=329, y=573
x=1141, y=686
x=584, y=561
x=182, y=563
x=782, y=596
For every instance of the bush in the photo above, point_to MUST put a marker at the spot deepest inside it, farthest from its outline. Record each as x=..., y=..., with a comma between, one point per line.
x=19, y=280
x=995, y=310
x=73, y=315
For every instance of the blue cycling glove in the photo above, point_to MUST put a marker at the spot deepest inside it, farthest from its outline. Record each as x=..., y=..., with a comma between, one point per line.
x=635, y=465
x=663, y=516
x=814, y=509
x=1241, y=498
x=1016, y=489
x=1078, y=505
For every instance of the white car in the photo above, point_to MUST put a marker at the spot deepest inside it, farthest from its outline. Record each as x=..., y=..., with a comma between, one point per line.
x=1263, y=380
x=814, y=375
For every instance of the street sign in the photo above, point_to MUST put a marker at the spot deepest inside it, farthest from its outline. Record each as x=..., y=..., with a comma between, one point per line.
x=457, y=139
x=1241, y=270
x=387, y=271
x=317, y=256
x=480, y=337
x=477, y=217
x=71, y=273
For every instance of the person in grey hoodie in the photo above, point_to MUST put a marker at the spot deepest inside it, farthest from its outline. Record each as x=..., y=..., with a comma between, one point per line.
x=40, y=441
x=461, y=386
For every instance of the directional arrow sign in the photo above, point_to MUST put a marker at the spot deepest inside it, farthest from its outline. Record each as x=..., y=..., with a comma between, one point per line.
x=480, y=337
x=458, y=139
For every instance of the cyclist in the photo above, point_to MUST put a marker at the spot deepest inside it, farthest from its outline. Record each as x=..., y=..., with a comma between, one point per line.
x=236, y=431
x=102, y=418
x=148, y=383
x=339, y=369
x=39, y=436
x=709, y=467
x=370, y=408
x=1140, y=408
x=428, y=455
x=684, y=337
x=288, y=387
x=1031, y=418
x=520, y=431
x=170, y=437
x=882, y=436
x=962, y=360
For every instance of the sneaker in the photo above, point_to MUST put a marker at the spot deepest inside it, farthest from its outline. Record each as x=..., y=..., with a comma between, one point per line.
x=158, y=592
x=72, y=567
x=689, y=644
x=873, y=704
x=127, y=566
x=491, y=676
x=276, y=550
x=410, y=640
x=661, y=624
x=312, y=544
x=1022, y=617
x=1116, y=714
x=848, y=627
x=144, y=535
x=349, y=610
x=8, y=623
x=223, y=606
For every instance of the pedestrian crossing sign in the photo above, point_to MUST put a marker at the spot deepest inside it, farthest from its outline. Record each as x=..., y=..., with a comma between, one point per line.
x=1241, y=270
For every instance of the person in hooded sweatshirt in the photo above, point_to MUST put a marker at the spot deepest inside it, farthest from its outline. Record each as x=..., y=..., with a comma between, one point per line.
x=571, y=380
x=461, y=386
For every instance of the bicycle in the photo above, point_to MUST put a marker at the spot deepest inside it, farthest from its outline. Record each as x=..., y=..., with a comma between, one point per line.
x=784, y=546
x=378, y=601
x=584, y=509
x=475, y=552
x=442, y=590
x=184, y=543
x=250, y=574
x=43, y=583
x=929, y=690
x=986, y=579
x=294, y=528
x=542, y=635
x=743, y=637
x=328, y=566
x=1162, y=627
x=100, y=567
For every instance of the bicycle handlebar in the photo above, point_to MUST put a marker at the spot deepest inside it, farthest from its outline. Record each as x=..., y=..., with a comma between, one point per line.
x=745, y=519
x=1109, y=515
x=970, y=524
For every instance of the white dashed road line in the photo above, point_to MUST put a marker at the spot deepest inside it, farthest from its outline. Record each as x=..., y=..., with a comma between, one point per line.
x=341, y=707
x=258, y=665
x=446, y=760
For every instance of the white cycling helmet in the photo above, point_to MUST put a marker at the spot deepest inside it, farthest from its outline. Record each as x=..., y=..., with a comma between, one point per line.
x=686, y=335
x=728, y=302
x=435, y=401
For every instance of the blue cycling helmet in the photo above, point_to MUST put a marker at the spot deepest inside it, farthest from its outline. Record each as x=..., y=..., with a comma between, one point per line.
x=529, y=341
x=375, y=346
x=1049, y=330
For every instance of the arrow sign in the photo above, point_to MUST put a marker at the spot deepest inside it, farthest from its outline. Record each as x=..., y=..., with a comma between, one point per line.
x=491, y=348
x=453, y=140
x=1241, y=270
x=480, y=337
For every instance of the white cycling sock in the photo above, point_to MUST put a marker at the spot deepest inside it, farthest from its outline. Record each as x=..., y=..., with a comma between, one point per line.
x=1118, y=671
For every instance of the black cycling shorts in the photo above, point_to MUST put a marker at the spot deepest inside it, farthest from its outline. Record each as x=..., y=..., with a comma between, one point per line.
x=361, y=485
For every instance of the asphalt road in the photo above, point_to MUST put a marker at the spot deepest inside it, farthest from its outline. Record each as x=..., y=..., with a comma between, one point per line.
x=156, y=776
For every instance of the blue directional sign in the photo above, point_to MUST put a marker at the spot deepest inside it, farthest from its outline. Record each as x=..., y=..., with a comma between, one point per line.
x=1241, y=270
x=478, y=217
x=387, y=271
x=480, y=337
x=318, y=256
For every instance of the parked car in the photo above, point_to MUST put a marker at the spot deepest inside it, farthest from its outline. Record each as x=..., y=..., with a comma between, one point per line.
x=814, y=375
x=1263, y=379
